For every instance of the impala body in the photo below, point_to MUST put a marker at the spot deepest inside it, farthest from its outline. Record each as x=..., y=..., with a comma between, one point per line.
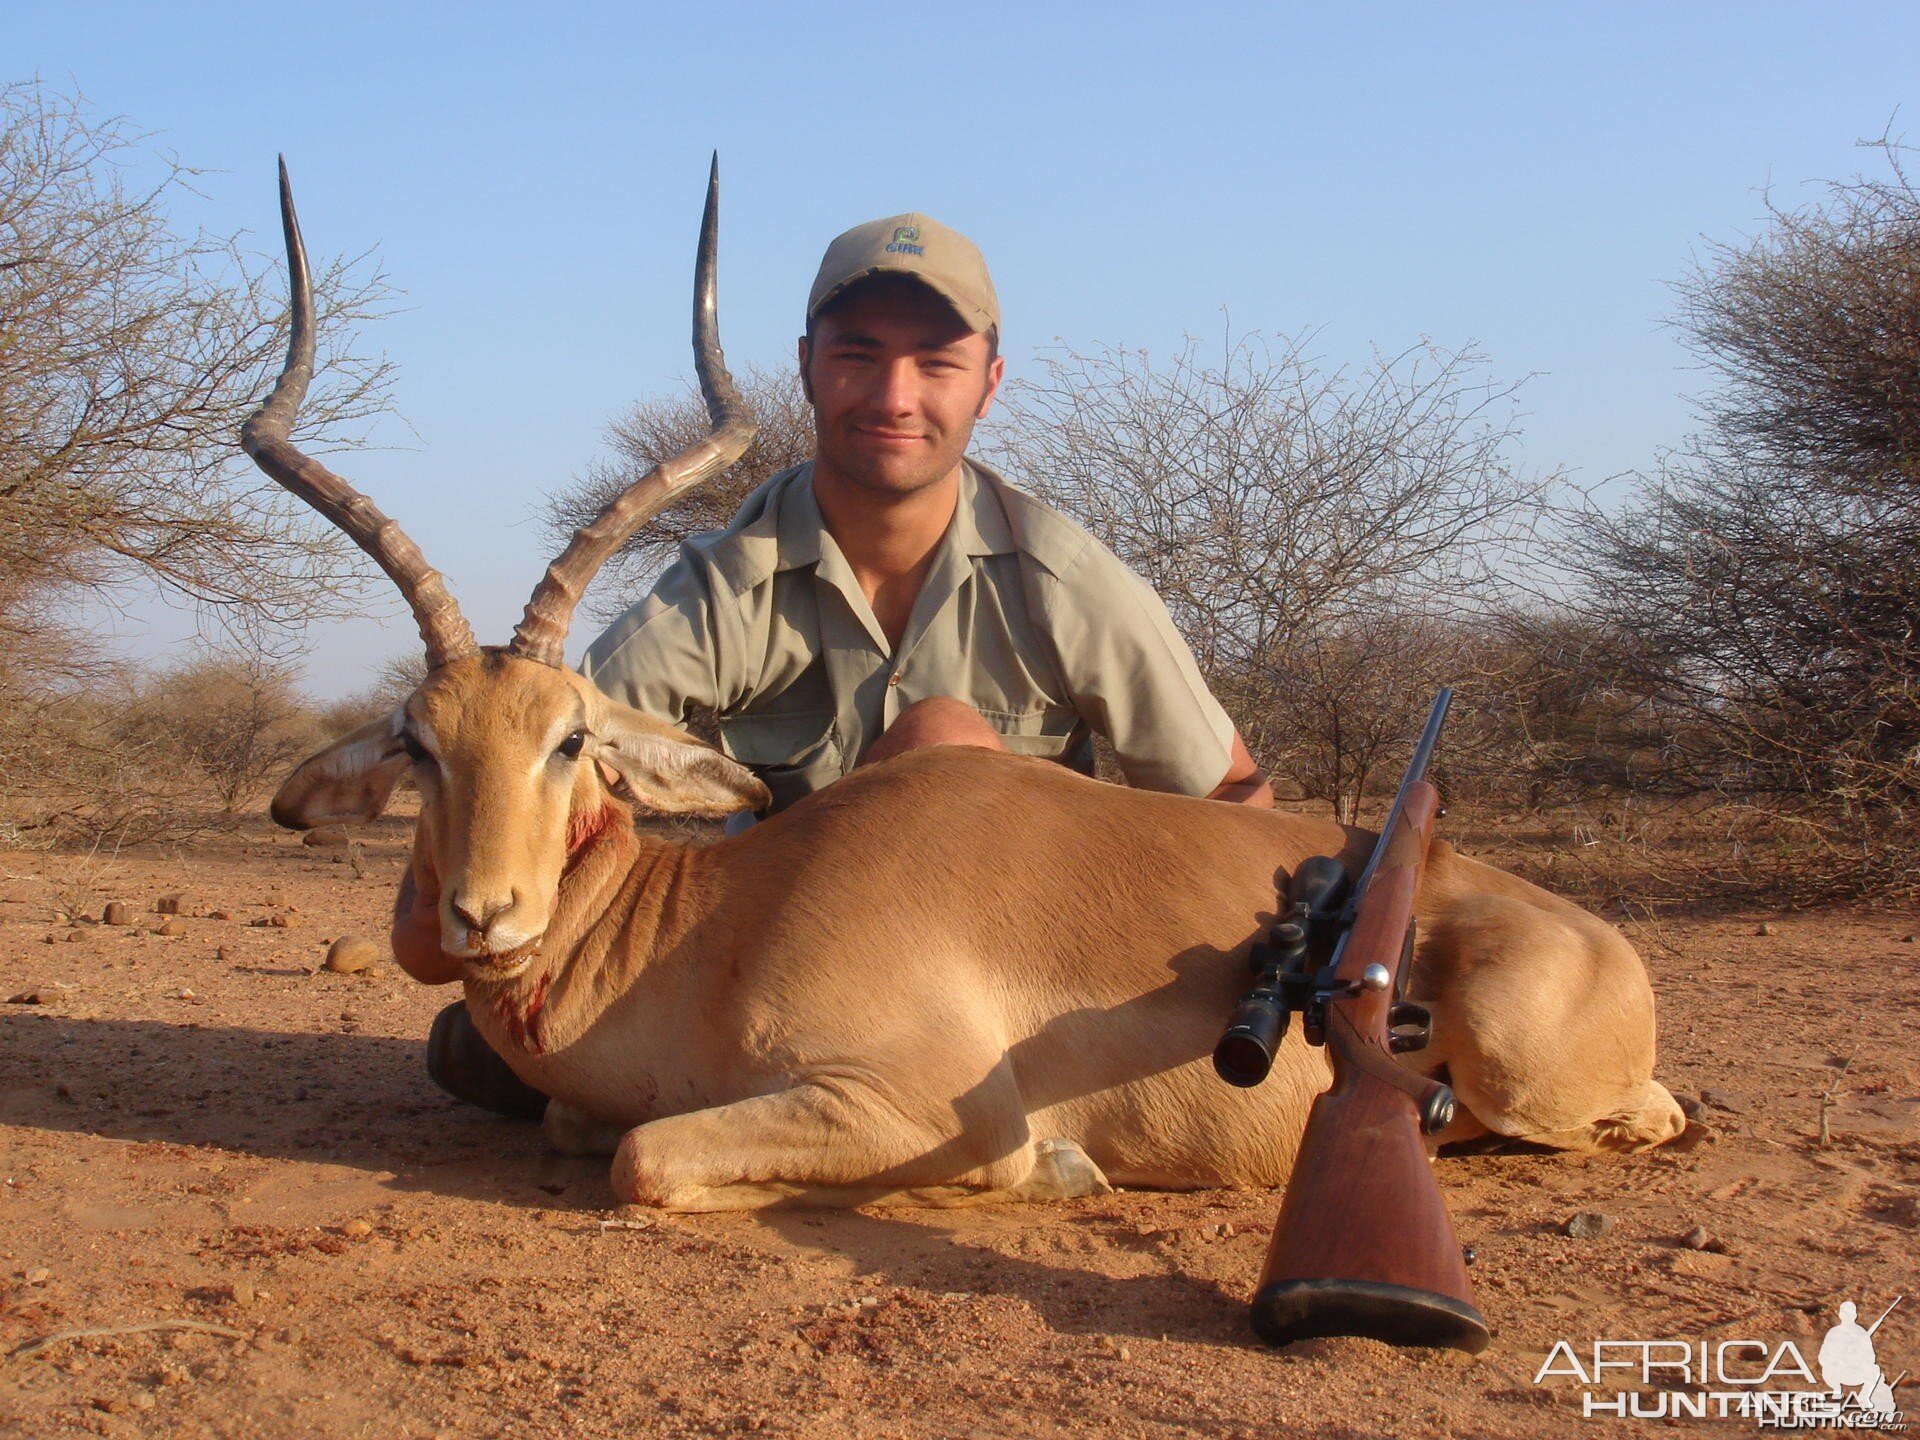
x=952, y=975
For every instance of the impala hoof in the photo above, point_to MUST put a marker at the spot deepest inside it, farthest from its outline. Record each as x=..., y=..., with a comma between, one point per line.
x=1061, y=1171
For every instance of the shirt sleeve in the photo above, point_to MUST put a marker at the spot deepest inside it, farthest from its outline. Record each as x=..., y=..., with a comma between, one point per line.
x=666, y=654
x=1134, y=679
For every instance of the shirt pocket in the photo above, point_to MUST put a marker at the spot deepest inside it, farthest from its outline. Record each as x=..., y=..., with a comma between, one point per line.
x=1044, y=732
x=794, y=754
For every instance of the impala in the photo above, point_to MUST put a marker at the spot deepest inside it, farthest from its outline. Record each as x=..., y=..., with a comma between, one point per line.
x=951, y=976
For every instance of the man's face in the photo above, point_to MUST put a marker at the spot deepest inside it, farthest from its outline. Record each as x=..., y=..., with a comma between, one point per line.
x=896, y=379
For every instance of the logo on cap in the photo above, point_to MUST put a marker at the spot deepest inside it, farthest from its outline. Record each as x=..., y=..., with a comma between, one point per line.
x=906, y=241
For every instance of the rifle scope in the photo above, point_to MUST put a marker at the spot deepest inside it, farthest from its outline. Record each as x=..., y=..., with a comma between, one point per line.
x=1245, y=1053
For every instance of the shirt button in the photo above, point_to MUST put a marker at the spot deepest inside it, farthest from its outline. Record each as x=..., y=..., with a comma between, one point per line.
x=893, y=679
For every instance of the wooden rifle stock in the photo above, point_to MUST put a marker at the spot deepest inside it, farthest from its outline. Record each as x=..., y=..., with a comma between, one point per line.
x=1364, y=1245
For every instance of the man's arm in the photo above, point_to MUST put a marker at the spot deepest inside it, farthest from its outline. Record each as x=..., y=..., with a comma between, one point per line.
x=1245, y=783
x=1131, y=676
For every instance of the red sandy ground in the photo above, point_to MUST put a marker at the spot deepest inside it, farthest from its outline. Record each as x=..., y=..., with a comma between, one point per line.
x=211, y=1128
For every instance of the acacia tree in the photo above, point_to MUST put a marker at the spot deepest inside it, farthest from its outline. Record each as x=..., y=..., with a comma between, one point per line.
x=665, y=425
x=1315, y=533
x=1770, y=572
x=129, y=355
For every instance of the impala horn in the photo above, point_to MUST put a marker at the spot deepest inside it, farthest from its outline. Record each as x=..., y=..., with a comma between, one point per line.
x=444, y=629
x=542, y=632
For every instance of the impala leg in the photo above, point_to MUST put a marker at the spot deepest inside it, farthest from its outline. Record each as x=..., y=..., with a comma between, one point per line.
x=829, y=1145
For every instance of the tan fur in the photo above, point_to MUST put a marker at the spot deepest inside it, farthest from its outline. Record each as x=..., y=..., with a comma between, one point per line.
x=949, y=976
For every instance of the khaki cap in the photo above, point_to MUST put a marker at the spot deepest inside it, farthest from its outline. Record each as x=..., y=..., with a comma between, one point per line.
x=942, y=259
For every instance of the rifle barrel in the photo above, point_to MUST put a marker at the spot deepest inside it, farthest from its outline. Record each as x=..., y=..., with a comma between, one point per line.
x=1416, y=770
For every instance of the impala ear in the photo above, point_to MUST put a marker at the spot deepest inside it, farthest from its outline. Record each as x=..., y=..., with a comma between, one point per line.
x=348, y=782
x=668, y=770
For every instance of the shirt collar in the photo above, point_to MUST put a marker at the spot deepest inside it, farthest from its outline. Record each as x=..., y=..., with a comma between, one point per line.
x=979, y=525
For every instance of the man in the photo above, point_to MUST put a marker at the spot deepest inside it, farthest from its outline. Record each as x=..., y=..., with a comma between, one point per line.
x=893, y=594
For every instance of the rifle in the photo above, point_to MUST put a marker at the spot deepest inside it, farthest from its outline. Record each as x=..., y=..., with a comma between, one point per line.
x=1363, y=1245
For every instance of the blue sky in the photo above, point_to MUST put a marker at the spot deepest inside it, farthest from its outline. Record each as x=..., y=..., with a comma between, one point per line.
x=1527, y=178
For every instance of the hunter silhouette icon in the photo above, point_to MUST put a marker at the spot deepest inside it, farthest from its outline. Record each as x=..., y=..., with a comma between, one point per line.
x=1848, y=1363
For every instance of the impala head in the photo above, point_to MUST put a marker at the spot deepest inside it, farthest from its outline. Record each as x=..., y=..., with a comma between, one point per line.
x=502, y=742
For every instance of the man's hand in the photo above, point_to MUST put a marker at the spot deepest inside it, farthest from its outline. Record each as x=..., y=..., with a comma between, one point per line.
x=1245, y=783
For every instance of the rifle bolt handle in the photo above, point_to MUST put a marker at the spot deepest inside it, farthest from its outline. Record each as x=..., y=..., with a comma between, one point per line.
x=1437, y=1113
x=1375, y=977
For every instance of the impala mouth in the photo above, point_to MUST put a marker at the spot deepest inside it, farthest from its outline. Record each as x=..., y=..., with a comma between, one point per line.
x=507, y=964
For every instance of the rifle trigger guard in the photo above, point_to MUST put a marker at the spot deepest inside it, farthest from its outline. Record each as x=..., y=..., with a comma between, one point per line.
x=1409, y=1027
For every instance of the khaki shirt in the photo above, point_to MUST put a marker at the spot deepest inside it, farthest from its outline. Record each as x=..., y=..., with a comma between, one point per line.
x=1023, y=615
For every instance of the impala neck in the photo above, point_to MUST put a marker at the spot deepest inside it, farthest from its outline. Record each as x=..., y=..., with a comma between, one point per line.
x=623, y=901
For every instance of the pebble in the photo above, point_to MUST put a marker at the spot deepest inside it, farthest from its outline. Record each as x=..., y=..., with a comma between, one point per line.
x=172, y=929
x=112, y=1404
x=1692, y=1106
x=1588, y=1225
x=183, y=993
x=1907, y=939
x=27, y=997
x=39, y=1275
x=1697, y=1238
x=352, y=954
x=272, y=922
x=117, y=913
x=242, y=1292
x=224, y=953
x=168, y=904
x=356, y=1229
x=76, y=934
x=325, y=838
x=1766, y=928
x=219, y=915
x=143, y=1400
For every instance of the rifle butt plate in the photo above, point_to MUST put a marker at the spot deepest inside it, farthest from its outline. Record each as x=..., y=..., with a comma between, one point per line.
x=1289, y=1310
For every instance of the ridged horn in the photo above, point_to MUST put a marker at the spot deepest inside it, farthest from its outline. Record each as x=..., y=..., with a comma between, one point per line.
x=542, y=633
x=445, y=631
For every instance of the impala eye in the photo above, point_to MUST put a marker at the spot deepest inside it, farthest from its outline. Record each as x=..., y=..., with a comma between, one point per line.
x=570, y=747
x=416, y=752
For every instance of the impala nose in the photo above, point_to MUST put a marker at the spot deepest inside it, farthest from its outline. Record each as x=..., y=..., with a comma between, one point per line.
x=476, y=914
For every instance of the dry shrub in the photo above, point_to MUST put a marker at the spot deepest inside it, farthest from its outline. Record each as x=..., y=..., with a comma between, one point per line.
x=132, y=756
x=74, y=773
